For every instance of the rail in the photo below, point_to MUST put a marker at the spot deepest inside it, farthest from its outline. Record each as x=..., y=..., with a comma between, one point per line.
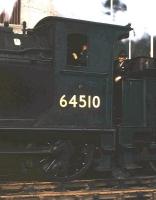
x=105, y=189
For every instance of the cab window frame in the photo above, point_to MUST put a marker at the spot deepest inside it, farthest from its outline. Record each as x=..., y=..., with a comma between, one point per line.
x=77, y=50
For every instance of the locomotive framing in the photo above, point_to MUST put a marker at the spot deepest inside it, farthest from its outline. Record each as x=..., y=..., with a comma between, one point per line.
x=57, y=106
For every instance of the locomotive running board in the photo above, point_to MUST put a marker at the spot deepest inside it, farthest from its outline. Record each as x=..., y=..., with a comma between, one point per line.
x=24, y=152
x=17, y=130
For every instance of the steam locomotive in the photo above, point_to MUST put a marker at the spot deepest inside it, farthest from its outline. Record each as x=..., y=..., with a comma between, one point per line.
x=57, y=111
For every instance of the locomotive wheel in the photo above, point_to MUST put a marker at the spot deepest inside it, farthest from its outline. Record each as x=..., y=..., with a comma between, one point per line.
x=67, y=161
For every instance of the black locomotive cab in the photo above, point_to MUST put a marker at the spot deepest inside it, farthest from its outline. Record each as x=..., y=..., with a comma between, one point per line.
x=58, y=74
x=83, y=62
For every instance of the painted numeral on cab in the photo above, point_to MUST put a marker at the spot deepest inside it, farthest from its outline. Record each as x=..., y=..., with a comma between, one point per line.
x=63, y=101
x=81, y=101
x=73, y=101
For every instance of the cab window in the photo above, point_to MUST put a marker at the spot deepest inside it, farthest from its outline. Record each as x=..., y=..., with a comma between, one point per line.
x=77, y=50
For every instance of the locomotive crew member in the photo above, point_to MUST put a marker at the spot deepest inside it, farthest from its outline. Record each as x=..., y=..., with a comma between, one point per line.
x=118, y=74
x=120, y=66
x=81, y=58
x=83, y=55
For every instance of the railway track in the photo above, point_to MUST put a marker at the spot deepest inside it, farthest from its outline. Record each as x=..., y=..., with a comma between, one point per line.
x=107, y=189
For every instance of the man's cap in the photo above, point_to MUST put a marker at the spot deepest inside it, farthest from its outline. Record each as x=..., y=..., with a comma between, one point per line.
x=122, y=53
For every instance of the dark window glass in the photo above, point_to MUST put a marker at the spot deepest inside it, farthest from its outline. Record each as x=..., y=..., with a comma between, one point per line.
x=77, y=49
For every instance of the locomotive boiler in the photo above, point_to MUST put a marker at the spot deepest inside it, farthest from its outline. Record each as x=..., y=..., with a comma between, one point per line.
x=57, y=100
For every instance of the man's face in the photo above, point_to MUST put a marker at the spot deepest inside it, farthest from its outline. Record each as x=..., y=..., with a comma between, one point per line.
x=84, y=47
x=122, y=59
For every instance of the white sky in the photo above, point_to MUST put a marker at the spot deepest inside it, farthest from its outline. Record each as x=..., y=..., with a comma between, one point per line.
x=140, y=13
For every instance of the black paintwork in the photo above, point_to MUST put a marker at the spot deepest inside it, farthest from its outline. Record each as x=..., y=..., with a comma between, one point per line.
x=37, y=73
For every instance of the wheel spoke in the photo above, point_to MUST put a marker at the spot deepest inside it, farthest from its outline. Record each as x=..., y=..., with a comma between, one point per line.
x=153, y=165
